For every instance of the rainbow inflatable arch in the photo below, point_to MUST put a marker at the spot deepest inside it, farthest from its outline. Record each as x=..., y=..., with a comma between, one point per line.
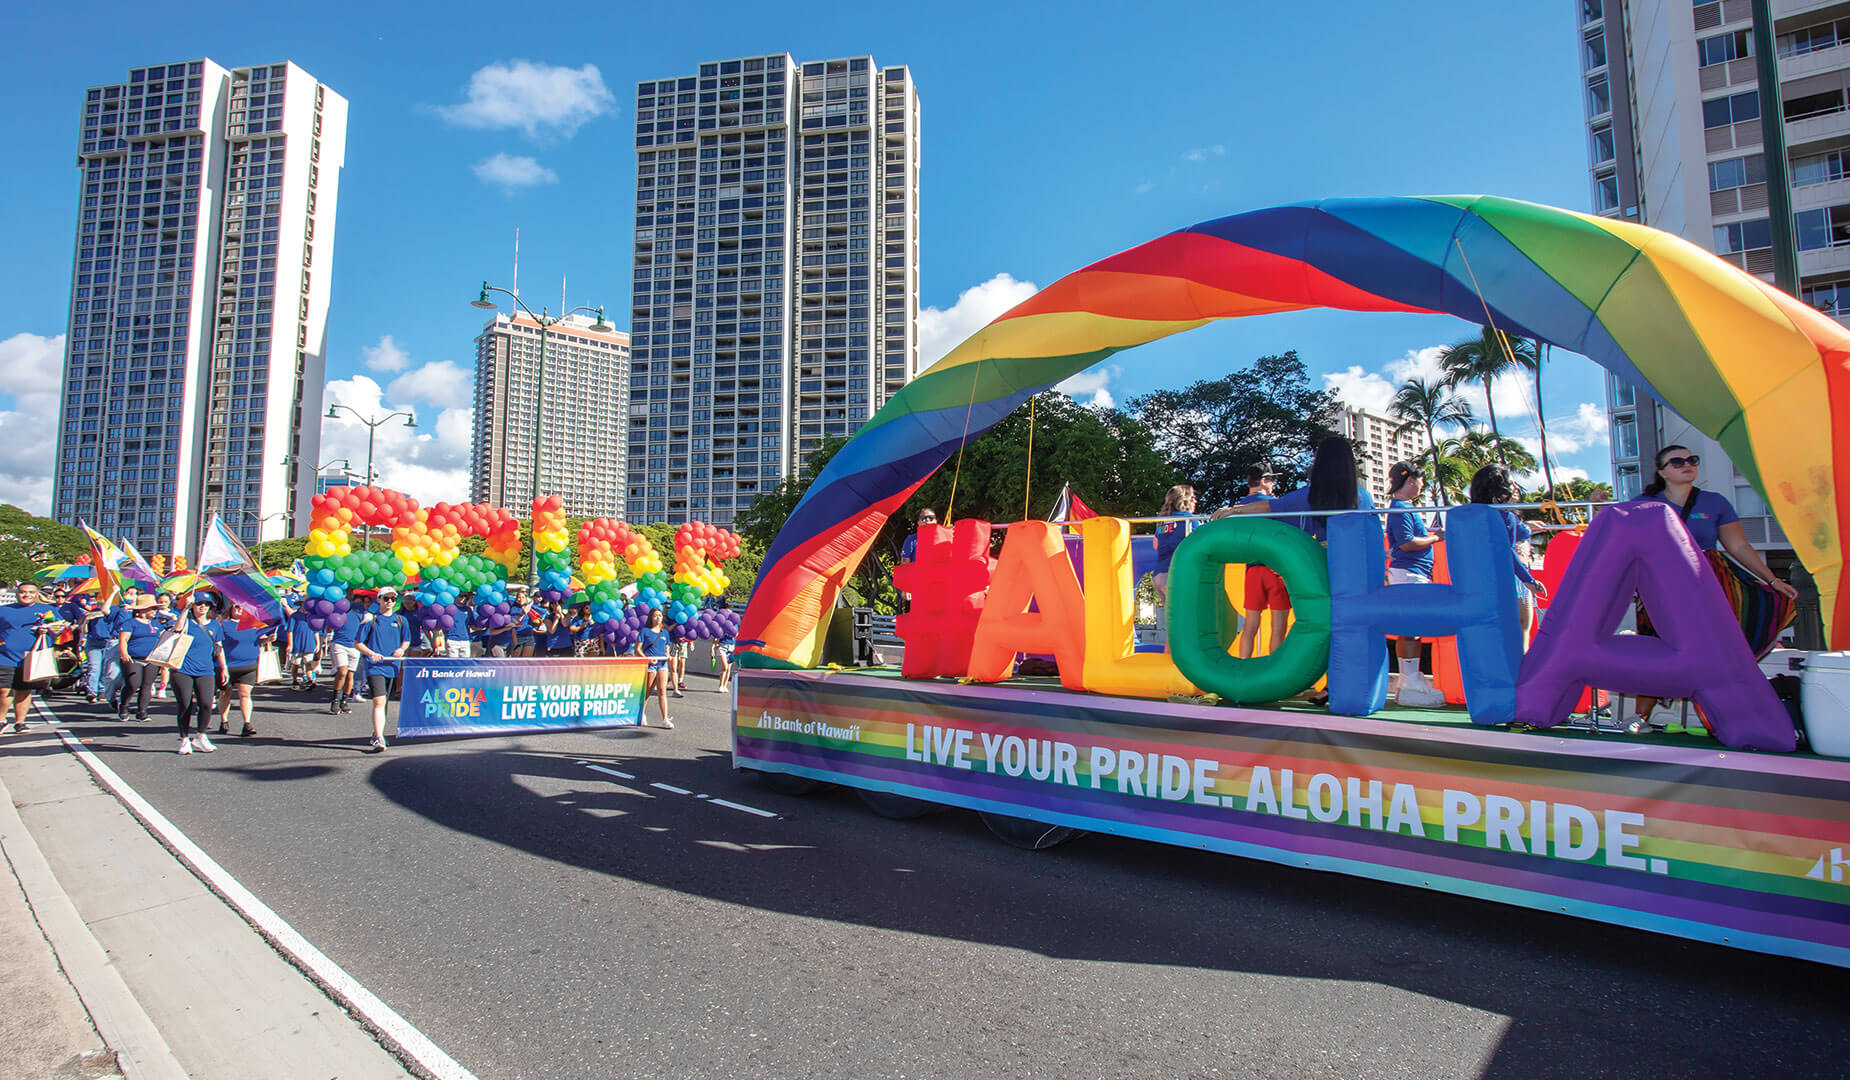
x=1748, y=365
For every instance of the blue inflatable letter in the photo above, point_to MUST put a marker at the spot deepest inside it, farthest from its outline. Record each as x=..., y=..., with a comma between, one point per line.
x=1479, y=607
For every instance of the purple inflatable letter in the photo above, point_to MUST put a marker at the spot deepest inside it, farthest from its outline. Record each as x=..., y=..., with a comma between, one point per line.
x=1641, y=548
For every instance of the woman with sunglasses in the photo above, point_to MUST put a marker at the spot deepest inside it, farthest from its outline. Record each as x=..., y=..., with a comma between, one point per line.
x=1712, y=524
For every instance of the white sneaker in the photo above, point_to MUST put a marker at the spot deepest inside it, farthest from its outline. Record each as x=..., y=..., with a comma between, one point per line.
x=204, y=744
x=1420, y=695
x=186, y=745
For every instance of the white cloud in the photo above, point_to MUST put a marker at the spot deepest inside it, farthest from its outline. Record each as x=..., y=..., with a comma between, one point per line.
x=33, y=367
x=1093, y=382
x=509, y=172
x=1143, y=188
x=386, y=356
x=1203, y=153
x=535, y=98
x=429, y=462
x=1360, y=389
x=1586, y=428
x=440, y=383
x=943, y=329
x=1537, y=480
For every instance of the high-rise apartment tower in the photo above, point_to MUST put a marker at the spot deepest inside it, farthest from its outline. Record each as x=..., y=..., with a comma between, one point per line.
x=585, y=425
x=776, y=272
x=199, y=300
x=1677, y=131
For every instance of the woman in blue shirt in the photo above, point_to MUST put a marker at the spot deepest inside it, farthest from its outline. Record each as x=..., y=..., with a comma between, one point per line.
x=243, y=649
x=195, y=681
x=654, y=645
x=136, y=637
x=1410, y=562
x=1333, y=486
x=1491, y=485
x=18, y=634
x=1179, y=502
x=1712, y=524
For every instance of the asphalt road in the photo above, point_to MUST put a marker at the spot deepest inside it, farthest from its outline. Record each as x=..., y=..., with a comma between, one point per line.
x=539, y=918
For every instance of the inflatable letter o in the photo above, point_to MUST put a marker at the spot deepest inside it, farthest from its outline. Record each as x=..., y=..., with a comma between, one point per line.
x=1195, y=588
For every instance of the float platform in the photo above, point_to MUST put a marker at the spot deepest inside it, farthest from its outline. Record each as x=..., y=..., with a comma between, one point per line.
x=1674, y=834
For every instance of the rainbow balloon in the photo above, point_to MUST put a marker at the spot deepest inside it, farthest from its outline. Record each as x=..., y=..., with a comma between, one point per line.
x=1748, y=365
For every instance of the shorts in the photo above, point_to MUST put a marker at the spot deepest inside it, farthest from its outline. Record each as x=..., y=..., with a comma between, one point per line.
x=657, y=665
x=1397, y=576
x=1265, y=590
x=243, y=676
x=677, y=650
x=456, y=650
x=13, y=679
x=378, y=686
x=346, y=656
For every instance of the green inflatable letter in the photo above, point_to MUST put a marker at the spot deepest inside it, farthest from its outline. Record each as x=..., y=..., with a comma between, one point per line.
x=1196, y=583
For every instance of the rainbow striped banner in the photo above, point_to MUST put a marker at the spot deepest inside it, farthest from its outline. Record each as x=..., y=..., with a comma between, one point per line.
x=1717, y=845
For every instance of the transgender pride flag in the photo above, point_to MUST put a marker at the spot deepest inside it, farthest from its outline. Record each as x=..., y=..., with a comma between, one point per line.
x=232, y=571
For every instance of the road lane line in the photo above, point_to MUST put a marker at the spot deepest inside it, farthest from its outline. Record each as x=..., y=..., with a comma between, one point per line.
x=344, y=988
x=716, y=800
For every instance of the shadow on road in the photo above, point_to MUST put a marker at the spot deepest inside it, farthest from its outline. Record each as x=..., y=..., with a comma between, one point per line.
x=1584, y=998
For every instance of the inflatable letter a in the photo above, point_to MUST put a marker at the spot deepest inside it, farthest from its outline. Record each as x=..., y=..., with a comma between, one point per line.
x=1479, y=608
x=1641, y=548
x=1034, y=569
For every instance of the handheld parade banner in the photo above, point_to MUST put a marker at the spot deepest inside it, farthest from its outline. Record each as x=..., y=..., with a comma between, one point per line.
x=499, y=697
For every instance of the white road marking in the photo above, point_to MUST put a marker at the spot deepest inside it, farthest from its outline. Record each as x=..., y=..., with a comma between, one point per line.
x=339, y=985
x=714, y=799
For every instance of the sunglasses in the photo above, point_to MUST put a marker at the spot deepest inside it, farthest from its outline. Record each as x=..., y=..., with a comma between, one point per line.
x=1679, y=462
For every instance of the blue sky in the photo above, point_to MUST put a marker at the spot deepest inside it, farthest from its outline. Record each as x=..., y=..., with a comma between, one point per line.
x=1052, y=136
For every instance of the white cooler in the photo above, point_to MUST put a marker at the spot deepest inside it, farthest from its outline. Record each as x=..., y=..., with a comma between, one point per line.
x=1824, y=694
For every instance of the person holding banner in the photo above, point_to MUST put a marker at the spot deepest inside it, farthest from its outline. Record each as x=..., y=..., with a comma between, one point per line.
x=383, y=641
x=19, y=635
x=243, y=650
x=136, y=637
x=654, y=645
x=194, y=685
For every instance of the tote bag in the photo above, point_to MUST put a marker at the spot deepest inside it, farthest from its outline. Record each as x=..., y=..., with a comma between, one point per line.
x=170, y=650
x=41, y=663
x=269, y=666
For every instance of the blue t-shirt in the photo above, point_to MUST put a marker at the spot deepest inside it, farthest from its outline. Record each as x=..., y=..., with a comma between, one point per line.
x=1299, y=500
x=560, y=638
x=523, y=622
x=349, y=632
x=1706, y=518
x=1169, y=536
x=385, y=634
x=909, y=547
x=143, y=635
x=165, y=618
x=654, y=642
x=464, y=625
x=1518, y=532
x=301, y=633
x=100, y=631
x=1402, y=528
x=241, y=646
x=199, y=658
x=16, y=634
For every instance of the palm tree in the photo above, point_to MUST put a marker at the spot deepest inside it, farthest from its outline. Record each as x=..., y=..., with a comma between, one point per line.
x=1480, y=361
x=1478, y=448
x=1432, y=406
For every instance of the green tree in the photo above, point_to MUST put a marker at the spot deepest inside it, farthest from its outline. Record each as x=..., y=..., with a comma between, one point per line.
x=1211, y=431
x=1481, y=360
x=1432, y=406
x=1462, y=457
x=29, y=542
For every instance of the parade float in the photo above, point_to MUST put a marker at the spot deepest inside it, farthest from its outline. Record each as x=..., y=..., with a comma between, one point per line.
x=1736, y=839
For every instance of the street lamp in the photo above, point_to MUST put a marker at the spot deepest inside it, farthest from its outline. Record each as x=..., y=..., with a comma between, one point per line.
x=546, y=322
x=260, y=521
x=373, y=424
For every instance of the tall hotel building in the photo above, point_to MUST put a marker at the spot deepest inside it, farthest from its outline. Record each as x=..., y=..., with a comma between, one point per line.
x=775, y=297
x=1677, y=126
x=585, y=424
x=199, y=302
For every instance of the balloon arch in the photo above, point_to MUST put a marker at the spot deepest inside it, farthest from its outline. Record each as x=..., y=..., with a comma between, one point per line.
x=1748, y=365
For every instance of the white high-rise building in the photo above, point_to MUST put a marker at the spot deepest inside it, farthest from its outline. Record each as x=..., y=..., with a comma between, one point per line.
x=586, y=421
x=1379, y=440
x=776, y=271
x=199, y=300
x=1677, y=125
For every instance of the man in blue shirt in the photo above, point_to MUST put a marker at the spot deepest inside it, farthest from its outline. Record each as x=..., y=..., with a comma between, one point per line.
x=456, y=644
x=346, y=657
x=383, y=641
x=1410, y=562
x=18, y=634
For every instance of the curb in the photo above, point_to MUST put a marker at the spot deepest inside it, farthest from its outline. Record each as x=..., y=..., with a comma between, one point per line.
x=141, y=1051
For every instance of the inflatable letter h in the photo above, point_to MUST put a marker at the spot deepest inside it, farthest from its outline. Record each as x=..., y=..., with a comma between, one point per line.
x=948, y=579
x=1479, y=608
